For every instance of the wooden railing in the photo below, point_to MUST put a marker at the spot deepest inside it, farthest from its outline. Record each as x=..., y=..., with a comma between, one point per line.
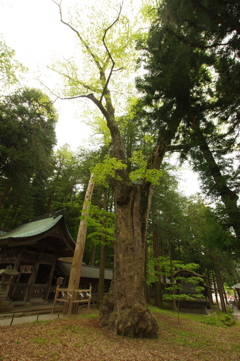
x=71, y=298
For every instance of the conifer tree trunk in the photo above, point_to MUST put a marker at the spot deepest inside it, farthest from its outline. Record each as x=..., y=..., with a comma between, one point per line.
x=228, y=197
x=209, y=289
x=158, y=283
x=174, y=304
x=215, y=289
x=93, y=254
x=220, y=290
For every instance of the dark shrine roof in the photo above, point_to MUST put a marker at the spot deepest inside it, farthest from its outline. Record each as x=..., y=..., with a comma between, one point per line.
x=48, y=231
x=187, y=273
x=86, y=271
x=32, y=228
x=237, y=286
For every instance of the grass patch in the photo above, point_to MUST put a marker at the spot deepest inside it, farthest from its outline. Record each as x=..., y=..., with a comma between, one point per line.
x=40, y=341
x=89, y=315
x=217, y=318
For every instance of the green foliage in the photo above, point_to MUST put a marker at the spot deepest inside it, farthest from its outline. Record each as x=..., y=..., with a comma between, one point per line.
x=149, y=10
x=174, y=291
x=9, y=67
x=65, y=187
x=27, y=131
x=191, y=79
x=110, y=36
x=88, y=315
x=167, y=268
x=220, y=319
x=215, y=319
x=141, y=172
x=101, y=224
x=208, y=236
x=105, y=171
x=66, y=177
x=99, y=127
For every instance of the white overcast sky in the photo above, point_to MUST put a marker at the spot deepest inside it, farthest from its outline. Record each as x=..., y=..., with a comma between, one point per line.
x=33, y=29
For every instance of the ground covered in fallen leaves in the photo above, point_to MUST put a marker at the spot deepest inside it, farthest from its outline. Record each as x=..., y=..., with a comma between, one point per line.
x=82, y=337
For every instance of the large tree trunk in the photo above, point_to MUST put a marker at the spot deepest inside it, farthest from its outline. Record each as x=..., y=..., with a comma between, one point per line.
x=102, y=266
x=124, y=309
x=103, y=256
x=228, y=197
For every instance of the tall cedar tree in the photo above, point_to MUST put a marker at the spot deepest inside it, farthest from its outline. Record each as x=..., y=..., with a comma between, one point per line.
x=192, y=58
x=27, y=133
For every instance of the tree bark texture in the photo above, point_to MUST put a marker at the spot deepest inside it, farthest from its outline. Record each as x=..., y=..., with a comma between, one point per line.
x=93, y=255
x=220, y=290
x=102, y=266
x=75, y=273
x=158, y=283
x=124, y=309
x=215, y=289
x=103, y=257
x=228, y=197
x=209, y=289
x=174, y=303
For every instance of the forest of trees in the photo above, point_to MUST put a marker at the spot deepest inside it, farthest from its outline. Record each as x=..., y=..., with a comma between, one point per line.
x=185, y=101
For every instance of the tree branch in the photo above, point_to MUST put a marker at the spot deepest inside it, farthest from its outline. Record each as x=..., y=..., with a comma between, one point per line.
x=188, y=42
x=179, y=148
x=86, y=86
x=89, y=96
x=79, y=36
x=117, y=149
x=108, y=52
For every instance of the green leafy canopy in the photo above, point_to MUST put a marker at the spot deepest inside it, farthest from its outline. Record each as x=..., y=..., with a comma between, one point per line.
x=141, y=172
x=107, y=169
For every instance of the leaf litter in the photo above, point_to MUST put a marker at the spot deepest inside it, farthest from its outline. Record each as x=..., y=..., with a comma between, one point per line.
x=82, y=337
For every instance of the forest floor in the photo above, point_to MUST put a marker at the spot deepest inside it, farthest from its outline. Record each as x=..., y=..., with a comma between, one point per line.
x=82, y=337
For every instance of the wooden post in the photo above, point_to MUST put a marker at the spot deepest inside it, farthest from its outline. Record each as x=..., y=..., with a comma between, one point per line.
x=75, y=273
x=55, y=297
x=49, y=283
x=90, y=296
x=70, y=303
x=31, y=281
x=16, y=267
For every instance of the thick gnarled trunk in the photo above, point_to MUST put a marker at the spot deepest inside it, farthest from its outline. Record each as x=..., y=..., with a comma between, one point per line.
x=124, y=309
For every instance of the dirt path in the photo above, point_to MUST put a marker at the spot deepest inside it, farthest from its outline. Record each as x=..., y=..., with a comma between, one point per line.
x=7, y=320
